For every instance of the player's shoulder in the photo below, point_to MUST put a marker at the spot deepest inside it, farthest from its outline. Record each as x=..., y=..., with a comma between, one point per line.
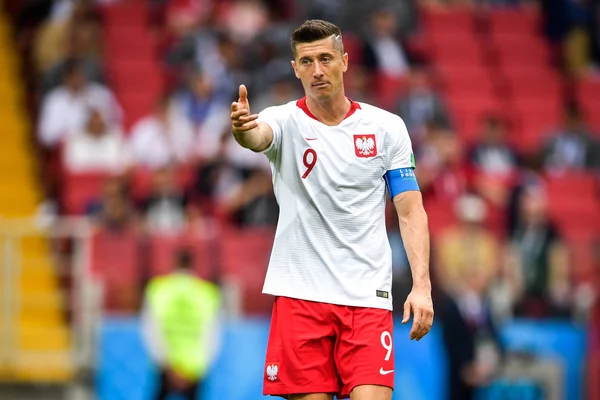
x=379, y=116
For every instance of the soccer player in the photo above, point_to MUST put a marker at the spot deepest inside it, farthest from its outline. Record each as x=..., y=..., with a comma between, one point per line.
x=330, y=268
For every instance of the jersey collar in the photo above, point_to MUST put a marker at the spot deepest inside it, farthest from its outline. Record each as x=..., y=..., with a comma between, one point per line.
x=301, y=103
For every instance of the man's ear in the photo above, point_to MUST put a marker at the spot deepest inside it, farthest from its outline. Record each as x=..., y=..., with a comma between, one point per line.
x=345, y=62
x=295, y=70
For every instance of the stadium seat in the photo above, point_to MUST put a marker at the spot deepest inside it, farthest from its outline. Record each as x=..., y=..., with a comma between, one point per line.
x=136, y=105
x=455, y=54
x=514, y=21
x=115, y=260
x=245, y=255
x=131, y=13
x=532, y=82
x=439, y=20
x=388, y=89
x=521, y=50
x=532, y=129
x=440, y=214
x=468, y=113
x=79, y=190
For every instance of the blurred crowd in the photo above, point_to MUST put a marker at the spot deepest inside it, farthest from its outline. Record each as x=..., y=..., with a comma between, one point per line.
x=498, y=254
x=193, y=171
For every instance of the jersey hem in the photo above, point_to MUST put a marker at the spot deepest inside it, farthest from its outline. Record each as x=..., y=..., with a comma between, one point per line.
x=388, y=307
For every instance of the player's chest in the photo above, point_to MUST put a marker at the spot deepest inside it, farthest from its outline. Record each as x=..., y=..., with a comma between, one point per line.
x=353, y=157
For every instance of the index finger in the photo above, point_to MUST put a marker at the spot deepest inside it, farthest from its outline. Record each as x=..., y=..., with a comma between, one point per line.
x=243, y=92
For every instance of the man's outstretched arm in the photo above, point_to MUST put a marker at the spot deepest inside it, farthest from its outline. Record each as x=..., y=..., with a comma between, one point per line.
x=247, y=131
x=415, y=236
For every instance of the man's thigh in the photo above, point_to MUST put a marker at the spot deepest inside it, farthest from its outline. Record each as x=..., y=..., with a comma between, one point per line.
x=364, y=353
x=312, y=396
x=371, y=392
x=299, y=358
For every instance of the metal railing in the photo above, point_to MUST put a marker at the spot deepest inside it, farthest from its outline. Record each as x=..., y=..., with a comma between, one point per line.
x=83, y=303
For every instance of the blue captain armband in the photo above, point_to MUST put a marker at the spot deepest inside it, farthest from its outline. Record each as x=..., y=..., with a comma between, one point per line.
x=400, y=180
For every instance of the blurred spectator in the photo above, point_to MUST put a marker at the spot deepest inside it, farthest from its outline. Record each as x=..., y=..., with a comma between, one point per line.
x=65, y=108
x=594, y=34
x=467, y=263
x=165, y=209
x=383, y=51
x=529, y=176
x=81, y=50
x=72, y=25
x=180, y=327
x=208, y=112
x=537, y=262
x=358, y=84
x=113, y=211
x=467, y=248
x=163, y=138
x=442, y=172
x=98, y=147
x=421, y=104
x=572, y=147
x=251, y=201
x=281, y=89
x=495, y=162
x=492, y=154
x=245, y=19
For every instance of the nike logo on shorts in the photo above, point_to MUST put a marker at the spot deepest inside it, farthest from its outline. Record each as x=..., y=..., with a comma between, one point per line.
x=384, y=372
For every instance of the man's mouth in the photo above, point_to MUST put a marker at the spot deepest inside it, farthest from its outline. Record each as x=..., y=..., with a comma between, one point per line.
x=320, y=84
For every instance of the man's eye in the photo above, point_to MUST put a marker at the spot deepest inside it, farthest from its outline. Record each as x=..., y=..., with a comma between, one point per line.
x=326, y=59
x=305, y=62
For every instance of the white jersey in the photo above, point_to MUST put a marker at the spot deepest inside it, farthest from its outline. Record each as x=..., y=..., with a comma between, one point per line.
x=331, y=243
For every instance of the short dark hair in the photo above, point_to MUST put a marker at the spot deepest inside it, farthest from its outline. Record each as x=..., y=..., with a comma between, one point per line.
x=316, y=29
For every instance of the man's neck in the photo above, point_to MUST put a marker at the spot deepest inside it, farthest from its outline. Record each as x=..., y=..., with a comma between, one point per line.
x=330, y=112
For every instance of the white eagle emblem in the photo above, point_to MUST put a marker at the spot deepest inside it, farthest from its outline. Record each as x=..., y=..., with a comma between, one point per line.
x=272, y=372
x=365, y=146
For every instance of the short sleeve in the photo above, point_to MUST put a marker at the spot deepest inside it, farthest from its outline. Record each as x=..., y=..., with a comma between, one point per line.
x=400, y=147
x=274, y=117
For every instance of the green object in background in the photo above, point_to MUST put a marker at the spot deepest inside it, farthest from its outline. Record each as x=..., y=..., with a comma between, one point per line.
x=185, y=309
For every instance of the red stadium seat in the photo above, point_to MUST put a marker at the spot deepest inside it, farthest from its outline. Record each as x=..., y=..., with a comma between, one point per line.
x=514, y=20
x=79, y=190
x=125, y=14
x=136, y=105
x=467, y=54
x=521, y=50
x=440, y=20
x=531, y=131
x=245, y=255
x=469, y=112
x=532, y=82
x=115, y=260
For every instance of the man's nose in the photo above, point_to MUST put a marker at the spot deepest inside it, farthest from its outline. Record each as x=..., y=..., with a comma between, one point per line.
x=318, y=72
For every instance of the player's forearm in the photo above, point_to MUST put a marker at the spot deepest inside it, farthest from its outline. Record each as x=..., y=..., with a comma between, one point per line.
x=256, y=139
x=415, y=235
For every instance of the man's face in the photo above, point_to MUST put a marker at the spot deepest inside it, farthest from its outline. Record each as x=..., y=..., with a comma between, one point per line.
x=320, y=67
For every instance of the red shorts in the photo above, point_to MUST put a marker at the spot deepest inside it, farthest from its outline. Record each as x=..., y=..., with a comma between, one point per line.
x=325, y=348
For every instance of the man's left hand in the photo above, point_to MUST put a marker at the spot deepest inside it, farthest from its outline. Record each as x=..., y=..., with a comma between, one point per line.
x=420, y=304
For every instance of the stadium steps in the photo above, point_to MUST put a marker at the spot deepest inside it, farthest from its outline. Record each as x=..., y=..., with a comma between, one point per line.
x=38, y=334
